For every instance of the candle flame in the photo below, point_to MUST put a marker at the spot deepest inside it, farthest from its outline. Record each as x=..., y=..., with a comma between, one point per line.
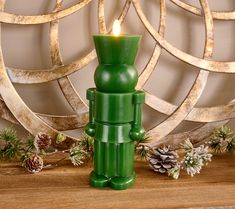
x=116, y=28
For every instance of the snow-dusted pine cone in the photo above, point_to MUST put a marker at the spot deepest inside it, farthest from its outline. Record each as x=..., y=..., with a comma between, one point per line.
x=162, y=159
x=34, y=164
x=42, y=141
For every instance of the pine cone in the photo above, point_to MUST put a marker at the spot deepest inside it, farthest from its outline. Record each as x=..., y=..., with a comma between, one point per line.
x=162, y=159
x=42, y=141
x=34, y=164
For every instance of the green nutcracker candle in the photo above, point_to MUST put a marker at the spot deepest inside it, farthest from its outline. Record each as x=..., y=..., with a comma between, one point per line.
x=115, y=116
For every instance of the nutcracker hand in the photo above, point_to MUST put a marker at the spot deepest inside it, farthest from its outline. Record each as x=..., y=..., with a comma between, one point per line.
x=137, y=134
x=90, y=129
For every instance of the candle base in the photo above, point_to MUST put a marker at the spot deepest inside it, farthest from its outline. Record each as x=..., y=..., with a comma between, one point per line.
x=116, y=183
x=98, y=181
x=121, y=183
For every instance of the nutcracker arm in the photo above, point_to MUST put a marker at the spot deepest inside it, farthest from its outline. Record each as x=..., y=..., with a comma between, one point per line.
x=137, y=132
x=90, y=127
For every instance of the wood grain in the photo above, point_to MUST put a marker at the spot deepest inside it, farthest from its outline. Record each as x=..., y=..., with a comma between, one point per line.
x=67, y=187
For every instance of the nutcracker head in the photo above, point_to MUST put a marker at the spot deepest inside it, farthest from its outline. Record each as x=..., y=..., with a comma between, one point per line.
x=116, y=55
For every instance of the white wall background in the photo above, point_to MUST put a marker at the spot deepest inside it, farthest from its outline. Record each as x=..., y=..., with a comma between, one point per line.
x=28, y=47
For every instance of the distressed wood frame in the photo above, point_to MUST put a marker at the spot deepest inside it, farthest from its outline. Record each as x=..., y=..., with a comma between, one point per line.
x=13, y=108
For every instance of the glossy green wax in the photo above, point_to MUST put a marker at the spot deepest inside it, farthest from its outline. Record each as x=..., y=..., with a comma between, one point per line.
x=116, y=50
x=115, y=111
x=116, y=56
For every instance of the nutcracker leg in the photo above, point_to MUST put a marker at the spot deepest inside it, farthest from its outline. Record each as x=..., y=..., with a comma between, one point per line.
x=125, y=167
x=110, y=159
x=97, y=177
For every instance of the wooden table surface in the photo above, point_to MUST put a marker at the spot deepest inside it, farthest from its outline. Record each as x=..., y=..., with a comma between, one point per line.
x=67, y=187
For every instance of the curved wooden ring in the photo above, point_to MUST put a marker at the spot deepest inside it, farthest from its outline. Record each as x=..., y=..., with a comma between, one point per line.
x=203, y=114
x=39, y=19
x=60, y=123
x=157, y=133
x=24, y=115
x=213, y=66
x=197, y=11
x=149, y=68
x=65, y=84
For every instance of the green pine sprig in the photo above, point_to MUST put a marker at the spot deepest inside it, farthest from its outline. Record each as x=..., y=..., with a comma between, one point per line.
x=12, y=145
x=222, y=140
x=82, y=151
x=8, y=135
x=14, y=148
x=141, y=150
x=29, y=148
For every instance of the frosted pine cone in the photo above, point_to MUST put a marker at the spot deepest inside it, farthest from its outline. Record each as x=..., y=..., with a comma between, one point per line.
x=34, y=164
x=162, y=159
x=42, y=141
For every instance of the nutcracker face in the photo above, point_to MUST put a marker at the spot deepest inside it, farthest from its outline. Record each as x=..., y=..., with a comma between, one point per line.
x=115, y=112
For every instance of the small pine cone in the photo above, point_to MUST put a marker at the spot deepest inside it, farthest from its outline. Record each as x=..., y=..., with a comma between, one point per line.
x=34, y=164
x=42, y=141
x=162, y=159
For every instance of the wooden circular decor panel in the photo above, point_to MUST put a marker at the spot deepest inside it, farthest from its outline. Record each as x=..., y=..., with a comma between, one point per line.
x=13, y=108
